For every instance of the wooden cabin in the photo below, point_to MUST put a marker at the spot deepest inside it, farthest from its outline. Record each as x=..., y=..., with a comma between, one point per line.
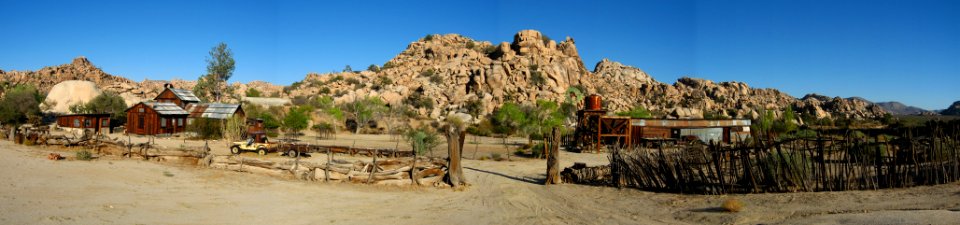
x=152, y=118
x=95, y=121
x=179, y=97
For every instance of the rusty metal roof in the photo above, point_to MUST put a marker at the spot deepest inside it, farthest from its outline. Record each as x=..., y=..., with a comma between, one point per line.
x=212, y=110
x=166, y=108
x=185, y=95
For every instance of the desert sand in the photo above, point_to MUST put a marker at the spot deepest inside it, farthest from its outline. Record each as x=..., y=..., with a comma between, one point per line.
x=111, y=190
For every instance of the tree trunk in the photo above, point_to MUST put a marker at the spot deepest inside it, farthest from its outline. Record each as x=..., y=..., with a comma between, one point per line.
x=553, y=160
x=454, y=169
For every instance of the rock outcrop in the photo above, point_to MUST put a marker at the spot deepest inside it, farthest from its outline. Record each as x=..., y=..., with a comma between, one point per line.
x=953, y=110
x=897, y=108
x=454, y=72
x=81, y=69
x=69, y=93
x=450, y=74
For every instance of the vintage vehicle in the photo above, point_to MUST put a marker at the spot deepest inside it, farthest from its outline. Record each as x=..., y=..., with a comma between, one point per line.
x=257, y=141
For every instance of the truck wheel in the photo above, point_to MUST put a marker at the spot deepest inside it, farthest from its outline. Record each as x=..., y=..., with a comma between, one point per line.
x=262, y=151
x=235, y=150
x=292, y=153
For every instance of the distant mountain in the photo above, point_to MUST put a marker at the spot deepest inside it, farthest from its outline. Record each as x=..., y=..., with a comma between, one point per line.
x=953, y=110
x=897, y=108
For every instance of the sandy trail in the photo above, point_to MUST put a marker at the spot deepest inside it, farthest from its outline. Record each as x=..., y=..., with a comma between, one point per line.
x=34, y=190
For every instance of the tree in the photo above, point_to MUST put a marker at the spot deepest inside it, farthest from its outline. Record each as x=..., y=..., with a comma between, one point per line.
x=787, y=123
x=545, y=116
x=296, y=120
x=364, y=110
x=220, y=66
x=510, y=118
x=104, y=103
x=373, y=68
x=19, y=104
x=347, y=69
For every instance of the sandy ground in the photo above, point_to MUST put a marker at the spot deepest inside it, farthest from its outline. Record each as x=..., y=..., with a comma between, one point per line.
x=34, y=190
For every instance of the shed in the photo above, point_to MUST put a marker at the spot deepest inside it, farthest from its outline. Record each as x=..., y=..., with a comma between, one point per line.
x=151, y=118
x=706, y=130
x=220, y=111
x=179, y=97
x=94, y=121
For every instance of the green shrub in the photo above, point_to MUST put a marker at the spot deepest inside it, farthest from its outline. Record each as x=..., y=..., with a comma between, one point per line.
x=85, y=155
x=436, y=79
x=429, y=37
x=418, y=100
x=353, y=81
x=470, y=45
x=206, y=128
x=427, y=73
x=325, y=90
x=387, y=65
x=253, y=92
x=636, y=112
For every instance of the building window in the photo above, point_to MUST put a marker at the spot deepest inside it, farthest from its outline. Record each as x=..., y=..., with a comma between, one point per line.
x=140, y=110
x=104, y=123
x=140, y=125
x=86, y=122
x=180, y=122
x=163, y=122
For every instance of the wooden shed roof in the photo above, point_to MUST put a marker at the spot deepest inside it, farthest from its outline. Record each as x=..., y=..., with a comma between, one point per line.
x=212, y=110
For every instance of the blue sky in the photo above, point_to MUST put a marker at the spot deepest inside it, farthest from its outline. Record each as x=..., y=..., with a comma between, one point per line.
x=906, y=51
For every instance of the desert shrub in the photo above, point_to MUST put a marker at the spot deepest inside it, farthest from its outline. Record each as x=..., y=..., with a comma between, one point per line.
x=636, y=112
x=537, y=78
x=300, y=100
x=474, y=107
x=422, y=139
x=384, y=80
x=373, y=68
x=484, y=128
x=470, y=44
x=167, y=174
x=19, y=103
x=713, y=115
x=83, y=154
x=353, y=81
x=347, y=69
x=253, y=92
x=427, y=73
x=493, y=52
x=546, y=40
x=206, y=128
x=732, y=205
x=336, y=78
x=429, y=37
x=387, y=65
x=418, y=100
x=496, y=156
x=436, y=79
x=325, y=90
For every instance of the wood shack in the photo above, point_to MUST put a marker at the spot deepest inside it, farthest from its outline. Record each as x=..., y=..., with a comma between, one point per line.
x=220, y=111
x=179, y=97
x=152, y=118
x=94, y=121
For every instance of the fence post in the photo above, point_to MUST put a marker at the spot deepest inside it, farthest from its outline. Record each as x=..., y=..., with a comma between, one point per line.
x=553, y=160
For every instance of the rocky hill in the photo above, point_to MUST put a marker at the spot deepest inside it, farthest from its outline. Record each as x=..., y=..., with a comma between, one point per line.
x=953, y=110
x=455, y=72
x=132, y=92
x=897, y=108
x=451, y=74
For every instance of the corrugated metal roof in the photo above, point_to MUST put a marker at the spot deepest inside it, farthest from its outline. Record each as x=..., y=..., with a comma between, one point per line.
x=212, y=110
x=166, y=108
x=185, y=95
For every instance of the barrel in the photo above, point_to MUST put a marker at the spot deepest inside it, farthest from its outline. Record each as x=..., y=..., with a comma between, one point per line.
x=592, y=102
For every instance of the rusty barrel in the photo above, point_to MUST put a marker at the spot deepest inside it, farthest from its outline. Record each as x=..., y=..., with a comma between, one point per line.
x=592, y=102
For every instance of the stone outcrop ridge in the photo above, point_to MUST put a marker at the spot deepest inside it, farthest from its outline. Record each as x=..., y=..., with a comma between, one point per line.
x=534, y=67
x=953, y=110
x=459, y=75
x=132, y=92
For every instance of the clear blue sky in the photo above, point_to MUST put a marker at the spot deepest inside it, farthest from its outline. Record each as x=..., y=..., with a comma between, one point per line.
x=906, y=51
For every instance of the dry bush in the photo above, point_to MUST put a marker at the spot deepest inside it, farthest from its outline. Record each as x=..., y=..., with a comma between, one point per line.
x=732, y=205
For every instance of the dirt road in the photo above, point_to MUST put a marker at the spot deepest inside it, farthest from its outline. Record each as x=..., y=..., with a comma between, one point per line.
x=34, y=190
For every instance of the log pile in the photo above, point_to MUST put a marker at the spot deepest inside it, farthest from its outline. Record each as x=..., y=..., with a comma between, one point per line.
x=389, y=172
x=580, y=174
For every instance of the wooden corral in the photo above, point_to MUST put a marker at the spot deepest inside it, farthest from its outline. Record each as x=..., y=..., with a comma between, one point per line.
x=97, y=122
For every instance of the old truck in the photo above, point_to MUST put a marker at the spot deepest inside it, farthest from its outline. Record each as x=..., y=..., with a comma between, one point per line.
x=257, y=141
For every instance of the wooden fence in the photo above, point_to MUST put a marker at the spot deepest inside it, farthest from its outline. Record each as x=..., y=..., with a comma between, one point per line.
x=831, y=161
